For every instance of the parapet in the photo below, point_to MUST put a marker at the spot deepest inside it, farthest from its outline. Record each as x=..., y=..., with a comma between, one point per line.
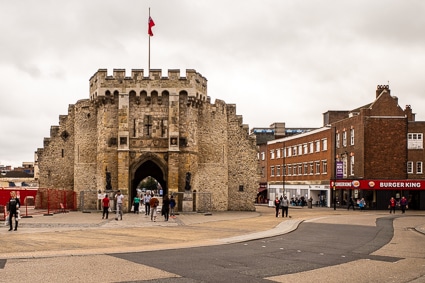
x=137, y=81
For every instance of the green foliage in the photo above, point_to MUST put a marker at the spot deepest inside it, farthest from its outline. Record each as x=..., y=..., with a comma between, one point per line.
x=148, y=183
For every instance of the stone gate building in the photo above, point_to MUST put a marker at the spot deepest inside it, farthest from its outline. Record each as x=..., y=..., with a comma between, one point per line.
x=134, y=126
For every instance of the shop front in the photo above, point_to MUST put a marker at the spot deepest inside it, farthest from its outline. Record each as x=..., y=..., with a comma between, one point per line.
x=377, y=193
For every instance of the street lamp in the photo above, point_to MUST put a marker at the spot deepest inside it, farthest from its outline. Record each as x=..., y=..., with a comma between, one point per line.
x=283, y=171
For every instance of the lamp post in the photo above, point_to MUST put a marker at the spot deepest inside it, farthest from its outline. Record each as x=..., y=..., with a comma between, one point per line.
x=283, y=171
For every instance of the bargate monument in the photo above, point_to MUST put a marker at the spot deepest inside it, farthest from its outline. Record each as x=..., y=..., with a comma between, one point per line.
x=165, y=127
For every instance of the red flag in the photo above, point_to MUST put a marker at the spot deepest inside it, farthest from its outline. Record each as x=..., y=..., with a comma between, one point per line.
x=150, y=25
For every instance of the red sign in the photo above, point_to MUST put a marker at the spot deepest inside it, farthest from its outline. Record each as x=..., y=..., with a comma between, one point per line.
x=379, y=184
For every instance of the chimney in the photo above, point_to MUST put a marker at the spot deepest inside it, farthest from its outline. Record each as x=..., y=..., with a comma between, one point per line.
x=381, y=88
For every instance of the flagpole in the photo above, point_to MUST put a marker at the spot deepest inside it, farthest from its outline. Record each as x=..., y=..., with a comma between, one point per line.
x=149, y=47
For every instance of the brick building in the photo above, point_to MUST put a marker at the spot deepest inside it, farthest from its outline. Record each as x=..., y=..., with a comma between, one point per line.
x=372, y=152
x=298, y=166
x=379, y=150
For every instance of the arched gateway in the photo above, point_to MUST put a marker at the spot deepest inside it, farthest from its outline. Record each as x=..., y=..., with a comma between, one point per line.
x=148, y=166
x=134, y=126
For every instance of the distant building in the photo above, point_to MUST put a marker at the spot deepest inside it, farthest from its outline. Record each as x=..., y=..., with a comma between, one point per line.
x=374, y=152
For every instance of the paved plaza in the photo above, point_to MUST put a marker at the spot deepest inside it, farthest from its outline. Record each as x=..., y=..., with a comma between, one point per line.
x=77, y=247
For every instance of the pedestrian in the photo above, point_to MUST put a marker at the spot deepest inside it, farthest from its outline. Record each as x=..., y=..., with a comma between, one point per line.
x=362, y=204
x=119, y=199
x=146, y=200
x=154, y=202
x=403, y=204
x=351, y=203
x=172, y=205
x=105, y=204
x=392, y=205
x=136, y=203
x=277, y=206
x=285, y=206
x=165, y=207
x=13, y=207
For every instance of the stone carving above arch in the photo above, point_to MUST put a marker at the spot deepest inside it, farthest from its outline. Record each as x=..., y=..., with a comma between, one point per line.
x=150, y=156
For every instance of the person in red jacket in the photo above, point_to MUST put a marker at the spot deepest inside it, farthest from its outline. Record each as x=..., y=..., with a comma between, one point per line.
x=105, y=204
x=392, y=205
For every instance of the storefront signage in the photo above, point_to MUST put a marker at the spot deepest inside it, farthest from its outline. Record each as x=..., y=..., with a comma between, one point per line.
x=379, y=184
x=339, y=169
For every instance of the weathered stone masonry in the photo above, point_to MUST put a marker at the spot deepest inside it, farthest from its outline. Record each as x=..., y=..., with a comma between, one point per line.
x=137, y=126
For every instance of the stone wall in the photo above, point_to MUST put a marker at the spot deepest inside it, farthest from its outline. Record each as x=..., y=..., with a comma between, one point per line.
x=166, y=120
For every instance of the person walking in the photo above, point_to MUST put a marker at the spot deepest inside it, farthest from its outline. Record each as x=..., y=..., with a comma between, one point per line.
x=119, y=199
x=403, y=204
x=105, y=205
x=136, y=203
x=172, y=205
x=277, y=206
x=284, y=204
x=392, y=205
x=351, y=203
x=146, y=200
x=13, y=207
x=154, y=202
x=165, y=207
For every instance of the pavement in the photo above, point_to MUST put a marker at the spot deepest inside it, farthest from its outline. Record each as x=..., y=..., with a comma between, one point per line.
x=76, y=234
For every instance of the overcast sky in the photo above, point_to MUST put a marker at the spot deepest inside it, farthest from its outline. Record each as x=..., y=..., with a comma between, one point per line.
x=277, y=60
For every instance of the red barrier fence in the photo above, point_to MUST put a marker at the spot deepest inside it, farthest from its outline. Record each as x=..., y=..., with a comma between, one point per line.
x=39, y=200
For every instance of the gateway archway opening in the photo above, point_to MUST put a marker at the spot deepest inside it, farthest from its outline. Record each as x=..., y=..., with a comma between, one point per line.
x=148, y=176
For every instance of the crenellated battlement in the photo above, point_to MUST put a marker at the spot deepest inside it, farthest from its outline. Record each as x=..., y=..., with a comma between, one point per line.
x=193, y=83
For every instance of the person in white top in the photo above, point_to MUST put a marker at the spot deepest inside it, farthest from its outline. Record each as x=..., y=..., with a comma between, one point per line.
x=119, y=199
x=146, y=200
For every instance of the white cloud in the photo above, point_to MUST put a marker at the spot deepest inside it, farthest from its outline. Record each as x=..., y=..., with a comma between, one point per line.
x=286, y=61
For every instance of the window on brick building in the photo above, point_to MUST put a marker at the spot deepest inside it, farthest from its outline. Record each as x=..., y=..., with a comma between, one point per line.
x=289, y=170
x=337, y=140
x=300, y=168
x=278, y=153
x=272, y=171
x=325, y=144
x=305, y=148
x=311, y=168
x=344, y=138
x=419, y=167
x=305, y=168
x=263, y=155
x=300, y=149
x=317, y=146
x=294, y=151
x=415, y=141
x=410, y=167
x=352, y=137
x=278, y=170
x=325, y=167
x=272, y=154
x=317, y=167
x=351, y=165
x=311, y=147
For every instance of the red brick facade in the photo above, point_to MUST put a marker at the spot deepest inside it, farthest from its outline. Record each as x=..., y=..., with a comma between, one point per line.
x=378, y=141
